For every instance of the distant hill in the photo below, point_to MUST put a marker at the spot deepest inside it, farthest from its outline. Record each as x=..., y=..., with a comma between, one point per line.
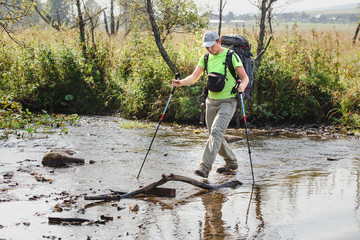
x=344, y=8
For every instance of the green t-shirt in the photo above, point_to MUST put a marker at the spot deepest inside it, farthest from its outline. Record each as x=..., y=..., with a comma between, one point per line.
x=216, y=64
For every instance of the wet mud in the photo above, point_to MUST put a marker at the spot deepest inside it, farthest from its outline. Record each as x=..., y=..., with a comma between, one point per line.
x=307, y=184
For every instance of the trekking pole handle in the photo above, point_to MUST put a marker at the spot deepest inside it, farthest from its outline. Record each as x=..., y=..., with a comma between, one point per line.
x=236, y=87
x=177, y=76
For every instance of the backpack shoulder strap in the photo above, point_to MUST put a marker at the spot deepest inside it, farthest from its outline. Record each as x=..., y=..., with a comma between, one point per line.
x=230, y=65
x=206, y=59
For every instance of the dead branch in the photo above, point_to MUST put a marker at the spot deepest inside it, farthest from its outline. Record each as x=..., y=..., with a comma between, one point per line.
x=56, y=220
x=356, y=33
x=164, y=179
x=5, y=28
x=76, y=221
x=46, y=17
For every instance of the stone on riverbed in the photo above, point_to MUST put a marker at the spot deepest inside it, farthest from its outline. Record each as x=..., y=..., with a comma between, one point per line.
x=230, y=138
x=61, y=158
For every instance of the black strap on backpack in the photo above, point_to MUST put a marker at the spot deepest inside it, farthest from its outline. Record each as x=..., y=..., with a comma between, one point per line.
x=228, y=63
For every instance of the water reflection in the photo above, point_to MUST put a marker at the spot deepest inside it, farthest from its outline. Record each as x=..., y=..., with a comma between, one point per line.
x=214, y=224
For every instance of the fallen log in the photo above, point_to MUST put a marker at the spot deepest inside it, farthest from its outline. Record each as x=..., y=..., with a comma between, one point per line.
x=57, y=220
x=77, y=221
x=117, y=196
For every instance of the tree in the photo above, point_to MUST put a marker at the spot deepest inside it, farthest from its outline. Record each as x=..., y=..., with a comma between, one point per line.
x=266, y=14
x=114, y=26
x=356, y=33
x=265, y=7
x=166, y=17
x=46, y=17
x=357, y=30
x=59, y=10
x=222, y=5
x=92, y=12
x=157, y=37
x=13, y=12
x=181, y=16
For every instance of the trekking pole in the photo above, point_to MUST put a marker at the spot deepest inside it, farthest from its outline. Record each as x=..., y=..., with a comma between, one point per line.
x=247, y=137
x=177, y=76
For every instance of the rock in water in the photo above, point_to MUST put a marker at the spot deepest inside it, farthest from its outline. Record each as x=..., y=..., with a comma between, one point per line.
x=61, y=158
x=134, y=207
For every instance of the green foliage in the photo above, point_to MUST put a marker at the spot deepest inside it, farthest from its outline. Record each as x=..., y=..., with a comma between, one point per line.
x=299, y=78
x=146, y=81
x=304, y=77
x=57, y=80
x=144, y=77
x=12, y=12
x=171, y=16
x=179, y=15
x=13, y=116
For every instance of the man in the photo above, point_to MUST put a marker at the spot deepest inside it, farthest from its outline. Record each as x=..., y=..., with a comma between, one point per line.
x=220, y=104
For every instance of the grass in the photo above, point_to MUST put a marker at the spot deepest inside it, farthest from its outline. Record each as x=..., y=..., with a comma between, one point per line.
x=134, y=124
x=129, y=65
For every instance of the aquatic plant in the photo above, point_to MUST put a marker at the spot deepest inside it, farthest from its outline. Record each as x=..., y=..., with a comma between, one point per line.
x=14, y=117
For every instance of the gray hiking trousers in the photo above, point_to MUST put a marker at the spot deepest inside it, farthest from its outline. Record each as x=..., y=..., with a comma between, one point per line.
x=218, y=116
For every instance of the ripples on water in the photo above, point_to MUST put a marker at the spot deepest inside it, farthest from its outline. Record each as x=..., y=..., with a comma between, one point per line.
x=299, y=194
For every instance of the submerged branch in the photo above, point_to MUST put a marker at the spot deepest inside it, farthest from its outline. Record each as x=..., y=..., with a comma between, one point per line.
x=164, y=179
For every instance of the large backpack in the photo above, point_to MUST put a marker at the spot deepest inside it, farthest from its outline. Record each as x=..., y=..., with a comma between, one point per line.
x=240, y=45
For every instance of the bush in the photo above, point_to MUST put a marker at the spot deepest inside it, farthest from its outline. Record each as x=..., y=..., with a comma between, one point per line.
x=57, y=80
x=298, y=79
x=304, y=77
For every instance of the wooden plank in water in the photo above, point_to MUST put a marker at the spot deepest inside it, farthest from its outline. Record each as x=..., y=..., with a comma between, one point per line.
x=161, y=192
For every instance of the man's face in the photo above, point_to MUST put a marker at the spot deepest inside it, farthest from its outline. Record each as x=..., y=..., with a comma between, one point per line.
x=214, y=49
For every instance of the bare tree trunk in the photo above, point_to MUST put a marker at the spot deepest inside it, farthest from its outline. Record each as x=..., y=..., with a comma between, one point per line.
x=127, y=27
x=58, y=17
x=112, y=18
x=106, y=24
x=221, y=9
x=262, y=27
x=220, y=17
x=117, y=25
x=81, y=28
x=269, y=18
x=356, y=33
x=265, y=9
x=157, y=37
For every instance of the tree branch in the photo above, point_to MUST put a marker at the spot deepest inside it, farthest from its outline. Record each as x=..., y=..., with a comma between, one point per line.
x=157, y=37
x=47, y=18
x=164, y=179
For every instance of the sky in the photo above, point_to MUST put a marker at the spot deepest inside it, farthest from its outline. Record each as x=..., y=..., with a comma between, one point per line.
x=244, y=6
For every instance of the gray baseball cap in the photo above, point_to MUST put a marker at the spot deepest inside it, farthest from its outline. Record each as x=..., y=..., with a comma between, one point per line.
x=209, y=38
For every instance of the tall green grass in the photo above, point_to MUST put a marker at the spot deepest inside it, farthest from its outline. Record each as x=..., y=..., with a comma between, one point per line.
x=306, y=76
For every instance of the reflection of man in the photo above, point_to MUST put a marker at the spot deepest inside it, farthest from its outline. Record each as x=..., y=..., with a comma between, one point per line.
x=214, y=225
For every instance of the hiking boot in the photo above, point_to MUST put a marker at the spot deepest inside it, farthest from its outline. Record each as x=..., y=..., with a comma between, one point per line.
x=201, y=172
x=226, y=168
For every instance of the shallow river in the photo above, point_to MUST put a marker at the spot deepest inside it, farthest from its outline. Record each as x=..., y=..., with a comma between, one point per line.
x=307, y=185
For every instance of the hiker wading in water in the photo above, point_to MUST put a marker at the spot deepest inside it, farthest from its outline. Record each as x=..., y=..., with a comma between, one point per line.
x=220, y=103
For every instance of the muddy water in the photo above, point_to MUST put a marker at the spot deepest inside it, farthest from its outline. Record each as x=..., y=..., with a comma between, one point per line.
x=299, y=193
